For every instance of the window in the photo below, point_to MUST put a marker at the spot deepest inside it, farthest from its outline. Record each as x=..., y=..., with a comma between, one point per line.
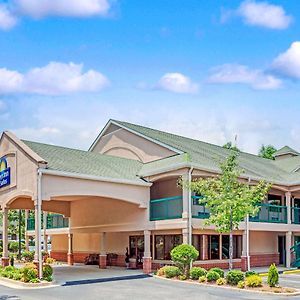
x=136, y=246
x=197, y=240
x=237, y=246
x=164, y=244
x=213, y=247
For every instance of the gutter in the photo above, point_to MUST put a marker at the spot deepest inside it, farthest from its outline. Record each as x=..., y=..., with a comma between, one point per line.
x=39, y=211
x=93, y=177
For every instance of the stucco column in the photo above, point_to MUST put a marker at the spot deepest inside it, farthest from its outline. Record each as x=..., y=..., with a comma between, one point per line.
x=5, y=256
x=70, y=250
x=26, y=235
x=38, y=235
x=185, y=198
x=185, y=236
x=204, y=247
x=147, y=259
x=244, y=261
x=45, y=214
x=288, y=205
x=102, y=256
x=288, y=245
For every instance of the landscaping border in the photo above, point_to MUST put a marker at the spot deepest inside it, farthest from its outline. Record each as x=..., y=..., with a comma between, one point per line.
x=229, y=287
x=19, y=285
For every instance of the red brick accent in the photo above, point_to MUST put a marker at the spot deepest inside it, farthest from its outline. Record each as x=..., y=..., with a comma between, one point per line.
x=102, y=261
x=244, y=263
x=37, y=266
x=70, y=259
x=4, y=261
x=261, y=260
x=147, y=265
x=59, y=256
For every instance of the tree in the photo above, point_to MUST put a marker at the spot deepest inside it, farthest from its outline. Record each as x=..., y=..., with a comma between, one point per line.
x=229, y=199
x=230, y=146
x=267, y=151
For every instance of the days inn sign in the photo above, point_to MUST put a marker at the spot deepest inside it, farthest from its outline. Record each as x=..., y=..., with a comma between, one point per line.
x=4, y=173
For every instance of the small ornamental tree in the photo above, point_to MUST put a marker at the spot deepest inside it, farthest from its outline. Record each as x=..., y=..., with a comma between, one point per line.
x=229, y=199
x=267, y=151
x=273, y=277
x=183, y=256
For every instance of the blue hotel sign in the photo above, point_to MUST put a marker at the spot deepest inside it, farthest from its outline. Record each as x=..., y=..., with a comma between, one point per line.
x=4, y=173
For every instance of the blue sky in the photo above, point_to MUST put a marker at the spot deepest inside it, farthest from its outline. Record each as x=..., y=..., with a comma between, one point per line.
x=205, y=69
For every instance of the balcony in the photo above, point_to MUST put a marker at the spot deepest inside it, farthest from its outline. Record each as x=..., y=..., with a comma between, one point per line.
x=166, y=208
x=270, y=213
x=199, y=211
x=295, y=215
x=54, y=221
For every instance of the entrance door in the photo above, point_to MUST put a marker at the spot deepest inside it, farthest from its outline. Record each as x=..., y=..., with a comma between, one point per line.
x=281, y=249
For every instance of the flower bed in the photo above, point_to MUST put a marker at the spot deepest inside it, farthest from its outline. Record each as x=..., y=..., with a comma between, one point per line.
x=234, y=279
x=27, y=274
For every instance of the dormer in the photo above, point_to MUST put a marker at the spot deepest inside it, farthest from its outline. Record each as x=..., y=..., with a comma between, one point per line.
x=285, y=152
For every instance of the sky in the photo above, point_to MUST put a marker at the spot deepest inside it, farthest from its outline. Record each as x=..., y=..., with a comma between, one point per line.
x=210, y=70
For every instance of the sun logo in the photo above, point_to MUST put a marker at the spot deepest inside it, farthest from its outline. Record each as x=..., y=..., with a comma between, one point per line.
x=3, y=164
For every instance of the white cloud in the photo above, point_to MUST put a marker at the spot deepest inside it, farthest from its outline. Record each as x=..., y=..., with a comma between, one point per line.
x=262, y=14
x=67, y=8
x=7, y=18
x=53, y=79
x=177, y=83
x=288, y=63
x=235, y=73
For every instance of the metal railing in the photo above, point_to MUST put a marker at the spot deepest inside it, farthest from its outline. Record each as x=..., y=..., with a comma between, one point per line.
x=199, y=211
x=53, y=221
x=166, y=208
x=295, y=215
x=270, y=213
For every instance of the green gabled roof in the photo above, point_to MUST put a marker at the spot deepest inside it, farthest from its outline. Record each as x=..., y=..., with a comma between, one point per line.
x=207, y=156
x=286, y=150
x=88, y=163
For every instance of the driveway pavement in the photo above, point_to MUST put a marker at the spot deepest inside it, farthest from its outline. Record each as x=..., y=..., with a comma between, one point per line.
x=133, y=289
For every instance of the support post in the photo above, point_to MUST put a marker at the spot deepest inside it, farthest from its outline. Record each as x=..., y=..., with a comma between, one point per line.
x=38, y=234
x=5, y=256
x=103, y=255
x=245, y=252
x=147, y=259
x=45, y=214
x=288, y=241
x=288, y=206
x=26, y=235
x=185, y=236
x=70, y=250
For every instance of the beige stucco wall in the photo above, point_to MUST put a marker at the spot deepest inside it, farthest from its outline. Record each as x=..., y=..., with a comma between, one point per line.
x=59, y=243
x=123, y=143
x=165, y=188
x=23, y=172
x=263, y=242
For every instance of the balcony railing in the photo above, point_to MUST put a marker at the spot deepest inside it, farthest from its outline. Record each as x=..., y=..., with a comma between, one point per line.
x=270, y=213
x=295, y=215
x=166, y=208
x=53, y=221
x=199, y=211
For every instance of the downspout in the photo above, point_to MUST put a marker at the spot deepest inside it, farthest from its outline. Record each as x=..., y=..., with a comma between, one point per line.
x=39, y=202
x=190, y=230
x=247, y=237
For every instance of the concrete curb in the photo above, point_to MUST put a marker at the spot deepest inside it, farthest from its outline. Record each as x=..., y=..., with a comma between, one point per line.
x=22, y=285
x=231, y=288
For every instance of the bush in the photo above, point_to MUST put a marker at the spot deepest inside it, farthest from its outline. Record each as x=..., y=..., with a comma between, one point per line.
x=219, y=271
x=221, y=281
x=273, y=277
x=28, y=256
x=172, y=271
x=29, y=272
x=234, y=276
x=182, y=277
x=13, y=246
x=254, y=281
x=212, y=276
x=161, y=271
x=197, y=272
x=241, y=284
x=202, y=279
x=8, y=271
x=50, y=260
x=47, y=272
x=183, y=255
x=249, y=273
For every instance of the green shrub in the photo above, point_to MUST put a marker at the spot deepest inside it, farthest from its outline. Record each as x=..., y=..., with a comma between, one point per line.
x=161, y=271
x=47, y=272
x=29, y=272
x=202, y=279
x=34, y=280
x=50, y=260
x=219, y=271
x=234, y=276
x=28, y=256
x=172, y=271
x=249, y=273
x=183, y=256
x=8, y=272
x=13, y=246
x=17, y=275
x=197, y=272
x=254, y=281
x=212, y=276
x=182, y=277
x=273, y=277
x=221, y=281
x=241, y=284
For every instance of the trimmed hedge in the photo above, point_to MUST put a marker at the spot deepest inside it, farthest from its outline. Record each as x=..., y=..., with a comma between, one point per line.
x=172, y=271
x=197, y=272
x=212, y=275
x=234, y=276
x=219, y=271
